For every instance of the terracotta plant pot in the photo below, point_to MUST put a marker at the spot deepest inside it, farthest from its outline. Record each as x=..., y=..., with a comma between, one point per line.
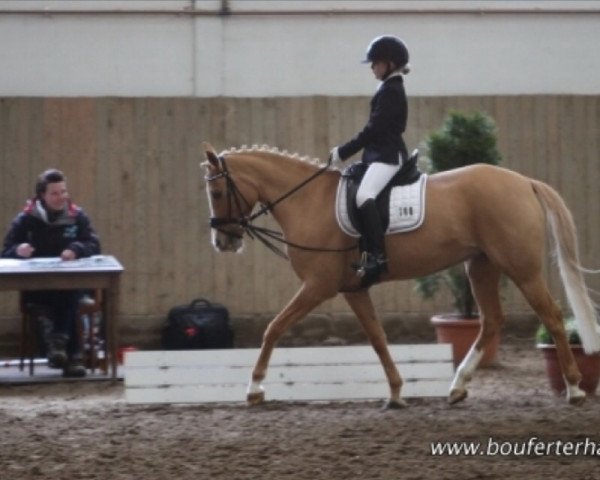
x=461, y=333
x=589, y=366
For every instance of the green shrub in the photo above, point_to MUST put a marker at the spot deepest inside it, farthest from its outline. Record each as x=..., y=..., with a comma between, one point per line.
x=464, y=139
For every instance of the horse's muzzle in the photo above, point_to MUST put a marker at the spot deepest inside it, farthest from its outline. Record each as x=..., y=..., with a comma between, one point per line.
x=228, y=240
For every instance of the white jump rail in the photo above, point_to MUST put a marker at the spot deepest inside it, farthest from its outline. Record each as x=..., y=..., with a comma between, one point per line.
x=314, y=373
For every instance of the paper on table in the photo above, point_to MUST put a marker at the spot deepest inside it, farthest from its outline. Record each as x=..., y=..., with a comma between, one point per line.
x=37, y=263
x=44, y=261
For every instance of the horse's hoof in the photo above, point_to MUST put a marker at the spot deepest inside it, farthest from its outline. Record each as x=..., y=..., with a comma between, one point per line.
x=577, y=401
x=255, y=398
x=395, y=405
x=457, y=395
x=575, y=395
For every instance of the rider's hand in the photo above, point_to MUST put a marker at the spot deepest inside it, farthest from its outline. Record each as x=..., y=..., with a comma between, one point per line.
x=335, y=160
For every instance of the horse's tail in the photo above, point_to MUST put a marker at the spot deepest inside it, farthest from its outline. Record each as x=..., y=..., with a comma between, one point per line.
x=564, y=233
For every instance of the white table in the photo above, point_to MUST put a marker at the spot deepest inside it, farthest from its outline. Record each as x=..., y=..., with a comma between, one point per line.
x=99, y=271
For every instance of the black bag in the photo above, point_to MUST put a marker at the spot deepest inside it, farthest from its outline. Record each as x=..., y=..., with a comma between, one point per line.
x=199, y=325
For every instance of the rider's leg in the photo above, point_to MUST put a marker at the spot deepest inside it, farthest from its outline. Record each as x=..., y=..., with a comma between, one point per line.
x=374, y=181
x=374, y=235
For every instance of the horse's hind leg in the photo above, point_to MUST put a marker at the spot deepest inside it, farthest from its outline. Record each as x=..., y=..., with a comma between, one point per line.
x=485, y=280
x=361, y=304
x=541, y=301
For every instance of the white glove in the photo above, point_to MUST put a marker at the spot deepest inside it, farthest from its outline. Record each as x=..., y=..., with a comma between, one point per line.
x=336, y=161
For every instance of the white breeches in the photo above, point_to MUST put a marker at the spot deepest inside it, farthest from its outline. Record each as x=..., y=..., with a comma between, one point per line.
x=376, y=178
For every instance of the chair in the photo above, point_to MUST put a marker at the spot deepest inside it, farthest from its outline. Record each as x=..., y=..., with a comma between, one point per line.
x=89, y=330
x=28, y=344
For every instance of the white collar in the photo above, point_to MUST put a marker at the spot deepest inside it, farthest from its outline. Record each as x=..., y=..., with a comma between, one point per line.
x=395, y=73
x=41, y=210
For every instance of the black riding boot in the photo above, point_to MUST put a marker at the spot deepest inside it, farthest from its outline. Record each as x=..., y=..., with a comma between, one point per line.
x=375, y=261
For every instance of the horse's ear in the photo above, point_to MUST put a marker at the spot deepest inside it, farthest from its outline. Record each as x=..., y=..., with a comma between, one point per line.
x=210, y=154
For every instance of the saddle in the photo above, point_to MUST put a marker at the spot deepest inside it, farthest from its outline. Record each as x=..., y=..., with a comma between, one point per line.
x=401, y=204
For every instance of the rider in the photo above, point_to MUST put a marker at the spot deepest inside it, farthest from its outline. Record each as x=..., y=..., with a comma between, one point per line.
x=381, y=140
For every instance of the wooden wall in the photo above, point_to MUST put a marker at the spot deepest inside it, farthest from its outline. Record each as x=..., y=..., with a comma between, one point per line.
x=132, y=163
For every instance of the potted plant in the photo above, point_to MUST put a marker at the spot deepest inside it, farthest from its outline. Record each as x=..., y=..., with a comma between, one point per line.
x=589, y=365
x=464, y=139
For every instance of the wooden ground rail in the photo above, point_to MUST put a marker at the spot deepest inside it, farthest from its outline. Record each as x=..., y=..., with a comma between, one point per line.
x=315, y=373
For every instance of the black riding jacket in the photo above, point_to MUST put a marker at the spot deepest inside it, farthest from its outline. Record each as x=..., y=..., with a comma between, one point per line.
x=50, y=234
x=381, y=138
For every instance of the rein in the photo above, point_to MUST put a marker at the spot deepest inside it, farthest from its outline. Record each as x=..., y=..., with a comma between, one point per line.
x=264, y=235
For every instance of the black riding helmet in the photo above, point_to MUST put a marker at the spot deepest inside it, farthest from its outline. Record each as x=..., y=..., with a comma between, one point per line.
x=387, y=48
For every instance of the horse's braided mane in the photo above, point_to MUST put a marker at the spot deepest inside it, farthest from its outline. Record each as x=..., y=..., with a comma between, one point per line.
x=272, y=150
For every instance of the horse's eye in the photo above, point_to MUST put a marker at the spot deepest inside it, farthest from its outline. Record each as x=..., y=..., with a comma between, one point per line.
x=216, y=194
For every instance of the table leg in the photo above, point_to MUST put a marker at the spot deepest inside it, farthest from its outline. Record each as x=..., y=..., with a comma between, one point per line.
x=112, y=327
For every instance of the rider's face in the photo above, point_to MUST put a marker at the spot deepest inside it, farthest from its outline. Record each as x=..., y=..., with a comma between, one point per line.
x=379, y=69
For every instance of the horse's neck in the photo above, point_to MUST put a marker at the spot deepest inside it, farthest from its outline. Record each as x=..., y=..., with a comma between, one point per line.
x=275, y=176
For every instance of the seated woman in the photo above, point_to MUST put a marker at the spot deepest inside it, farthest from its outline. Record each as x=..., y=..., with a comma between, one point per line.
x=51, y=225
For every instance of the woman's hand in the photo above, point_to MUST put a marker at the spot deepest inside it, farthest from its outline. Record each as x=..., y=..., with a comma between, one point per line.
x=68, y=255
x=25, y=250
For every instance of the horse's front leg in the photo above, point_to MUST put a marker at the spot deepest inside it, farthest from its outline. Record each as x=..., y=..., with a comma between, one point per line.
x=362, y=305
x=305, y=300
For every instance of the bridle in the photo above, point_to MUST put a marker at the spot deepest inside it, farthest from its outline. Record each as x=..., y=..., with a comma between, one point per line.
x=264, y=235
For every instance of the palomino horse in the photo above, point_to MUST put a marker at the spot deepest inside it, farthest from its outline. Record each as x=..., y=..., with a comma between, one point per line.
x=491, y=218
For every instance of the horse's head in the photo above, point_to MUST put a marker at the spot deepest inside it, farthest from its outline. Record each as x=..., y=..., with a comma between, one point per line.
x=230, y=202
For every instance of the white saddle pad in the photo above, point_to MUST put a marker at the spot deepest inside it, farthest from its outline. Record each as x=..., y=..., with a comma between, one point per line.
x=407, y=208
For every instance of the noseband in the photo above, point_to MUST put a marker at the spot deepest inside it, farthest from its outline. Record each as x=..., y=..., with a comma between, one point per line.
x=235, y=197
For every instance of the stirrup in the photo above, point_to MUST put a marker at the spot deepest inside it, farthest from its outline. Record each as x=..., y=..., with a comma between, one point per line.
x=369, y=263
x=360, y=267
